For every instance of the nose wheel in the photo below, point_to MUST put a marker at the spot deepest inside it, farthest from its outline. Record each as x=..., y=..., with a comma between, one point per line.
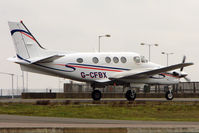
x=96, y=95
x=169, y=95
x=130, y=95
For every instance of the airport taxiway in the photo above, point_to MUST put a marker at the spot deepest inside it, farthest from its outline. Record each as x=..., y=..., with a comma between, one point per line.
x=103, y=100
x=15, y=121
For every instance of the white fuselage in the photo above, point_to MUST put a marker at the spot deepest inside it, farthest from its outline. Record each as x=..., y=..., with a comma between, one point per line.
x=98, y=67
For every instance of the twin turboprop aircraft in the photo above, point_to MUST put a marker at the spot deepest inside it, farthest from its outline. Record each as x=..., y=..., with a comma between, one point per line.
x=99, y=69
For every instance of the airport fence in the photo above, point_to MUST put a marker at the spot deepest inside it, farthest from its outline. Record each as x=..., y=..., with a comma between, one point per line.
x=183, y=87
x=17, y=92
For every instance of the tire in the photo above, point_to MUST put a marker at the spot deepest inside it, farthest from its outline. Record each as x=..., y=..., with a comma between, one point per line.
x=130, y=95
x=169, y=95
x=96, y=95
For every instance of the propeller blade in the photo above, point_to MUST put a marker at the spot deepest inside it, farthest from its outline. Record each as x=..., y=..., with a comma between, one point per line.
x=187, y=79
x=183, y=61
x=184, y=58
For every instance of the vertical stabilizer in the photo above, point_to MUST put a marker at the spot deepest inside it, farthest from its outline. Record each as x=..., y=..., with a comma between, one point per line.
x=25, y=43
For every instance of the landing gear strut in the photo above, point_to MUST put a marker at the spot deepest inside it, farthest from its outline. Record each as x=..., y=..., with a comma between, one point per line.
x=130, y=95
x=96, y=95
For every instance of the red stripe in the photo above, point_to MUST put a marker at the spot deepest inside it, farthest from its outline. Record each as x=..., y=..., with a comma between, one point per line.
x=91, y=68
x=28, y=36
x=95, y=68
x=169, y=75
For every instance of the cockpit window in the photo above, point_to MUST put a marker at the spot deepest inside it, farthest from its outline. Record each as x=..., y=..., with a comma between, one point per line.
x=137, y=59
x=143, y=59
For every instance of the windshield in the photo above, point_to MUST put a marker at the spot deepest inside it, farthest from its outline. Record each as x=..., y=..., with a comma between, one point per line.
x=143, y=59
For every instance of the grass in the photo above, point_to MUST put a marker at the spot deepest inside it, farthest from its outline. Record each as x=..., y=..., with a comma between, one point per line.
x=168, y=111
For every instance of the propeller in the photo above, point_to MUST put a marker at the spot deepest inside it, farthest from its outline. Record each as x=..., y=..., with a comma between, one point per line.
x=182, y=74
x=187, y=79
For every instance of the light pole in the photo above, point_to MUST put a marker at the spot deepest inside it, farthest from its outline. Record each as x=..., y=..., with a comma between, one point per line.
x=107, y=35
x=167, y=54
x=149, y=48
x=12, y=78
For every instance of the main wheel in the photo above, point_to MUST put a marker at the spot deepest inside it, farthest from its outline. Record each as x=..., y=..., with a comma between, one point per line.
x=130, y=95
x=96, y=95
x=169, y=95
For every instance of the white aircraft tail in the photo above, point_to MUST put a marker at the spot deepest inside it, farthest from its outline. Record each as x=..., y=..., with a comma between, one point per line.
x=26, y=45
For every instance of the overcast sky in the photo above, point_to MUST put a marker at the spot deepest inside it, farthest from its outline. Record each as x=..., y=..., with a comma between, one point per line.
x=74, y=25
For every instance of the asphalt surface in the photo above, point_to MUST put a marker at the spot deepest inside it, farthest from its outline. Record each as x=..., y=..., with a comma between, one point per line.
x=19, y=100
x=13, y=121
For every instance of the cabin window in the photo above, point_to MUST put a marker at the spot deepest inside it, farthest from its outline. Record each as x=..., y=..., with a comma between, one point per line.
x=108, y=59
x=79, y=60
x=95, y=60
x=115, y=60
x=123, y=59
x=137, y=59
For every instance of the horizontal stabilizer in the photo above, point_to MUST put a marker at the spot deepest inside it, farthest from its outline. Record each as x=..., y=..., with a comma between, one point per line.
x=45, y=59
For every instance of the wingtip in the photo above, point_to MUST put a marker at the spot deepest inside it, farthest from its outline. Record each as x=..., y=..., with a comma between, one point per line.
x=192, y=63
x=189, y=63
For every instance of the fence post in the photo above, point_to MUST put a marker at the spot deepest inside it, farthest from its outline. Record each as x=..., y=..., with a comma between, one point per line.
x=194, y=87
x=155, y=88
x=176, y=86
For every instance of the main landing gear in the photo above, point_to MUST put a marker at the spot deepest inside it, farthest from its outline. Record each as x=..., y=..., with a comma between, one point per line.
x=96, y=95
x=130, y=95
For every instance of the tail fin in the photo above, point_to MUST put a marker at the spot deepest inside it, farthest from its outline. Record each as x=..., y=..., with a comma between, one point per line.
x=25, y=43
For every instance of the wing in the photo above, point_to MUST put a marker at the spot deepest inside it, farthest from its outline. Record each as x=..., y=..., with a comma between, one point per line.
x=138, y=74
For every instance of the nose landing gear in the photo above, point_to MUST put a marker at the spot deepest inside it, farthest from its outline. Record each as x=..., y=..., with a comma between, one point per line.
x=169, y=95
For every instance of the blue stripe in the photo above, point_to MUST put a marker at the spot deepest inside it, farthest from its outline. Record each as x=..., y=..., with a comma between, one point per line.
x=55, y=68
x=99, y=66
x=18, y=30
